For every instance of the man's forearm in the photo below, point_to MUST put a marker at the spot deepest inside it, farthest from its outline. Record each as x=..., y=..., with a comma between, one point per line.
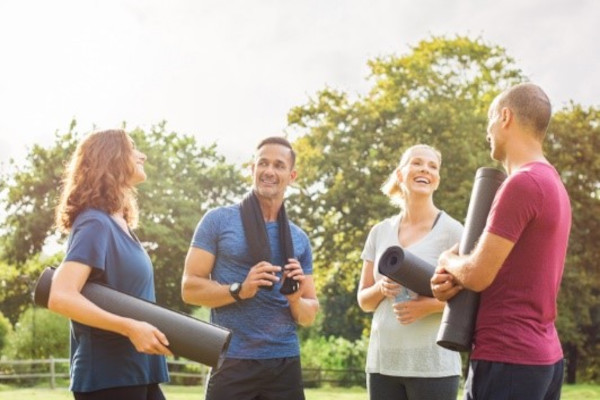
x=205, y=292
x=304, y=311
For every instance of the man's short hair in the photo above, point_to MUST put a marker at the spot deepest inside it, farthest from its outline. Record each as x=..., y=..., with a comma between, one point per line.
x=280, y=140
x=530, y=105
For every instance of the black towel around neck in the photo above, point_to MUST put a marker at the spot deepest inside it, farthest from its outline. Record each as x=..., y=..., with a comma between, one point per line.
x=257, y=240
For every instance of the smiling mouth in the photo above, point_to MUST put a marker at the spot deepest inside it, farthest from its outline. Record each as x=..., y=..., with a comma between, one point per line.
x=422, y=180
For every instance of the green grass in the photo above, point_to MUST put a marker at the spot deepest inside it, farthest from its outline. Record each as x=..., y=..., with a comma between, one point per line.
x=171, y=392
x=570, y=392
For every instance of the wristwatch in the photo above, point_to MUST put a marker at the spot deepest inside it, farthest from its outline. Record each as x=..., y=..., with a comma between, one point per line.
x=234, y=290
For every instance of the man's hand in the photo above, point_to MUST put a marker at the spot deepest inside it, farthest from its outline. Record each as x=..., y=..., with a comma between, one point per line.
x=261, y=274
x=293, y=270
x=443, y=284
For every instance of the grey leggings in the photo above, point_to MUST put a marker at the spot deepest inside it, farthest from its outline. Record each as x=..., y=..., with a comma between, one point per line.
x=385, y=387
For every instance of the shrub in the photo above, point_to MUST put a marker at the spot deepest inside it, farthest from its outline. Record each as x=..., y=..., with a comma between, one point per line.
x=5, y=332
x=335, y=353
x=38, y=334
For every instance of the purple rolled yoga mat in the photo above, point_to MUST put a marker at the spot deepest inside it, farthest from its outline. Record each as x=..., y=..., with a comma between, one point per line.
x=188, y=337
x=407, y=269
x=460, y=313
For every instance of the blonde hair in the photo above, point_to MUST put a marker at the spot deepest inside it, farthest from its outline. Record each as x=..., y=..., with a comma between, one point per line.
x=97, y=176
x=391, y=187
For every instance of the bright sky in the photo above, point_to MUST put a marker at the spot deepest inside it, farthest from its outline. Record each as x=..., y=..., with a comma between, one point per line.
x=230, y=70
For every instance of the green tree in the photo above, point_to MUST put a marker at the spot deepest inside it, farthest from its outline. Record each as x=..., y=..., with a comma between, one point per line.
x=29, y=192
x=572, y=145
x=437, y=94
x=18, y=283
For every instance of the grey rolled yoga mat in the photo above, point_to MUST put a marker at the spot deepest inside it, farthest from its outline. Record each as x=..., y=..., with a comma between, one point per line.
x=188, y=337
x=458, y=320
x=407, y=269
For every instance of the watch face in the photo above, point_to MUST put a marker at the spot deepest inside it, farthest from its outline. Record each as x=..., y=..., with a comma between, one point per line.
x=235, y=287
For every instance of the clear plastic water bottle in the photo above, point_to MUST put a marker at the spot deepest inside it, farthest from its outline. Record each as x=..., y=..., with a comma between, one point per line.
x=403, y=296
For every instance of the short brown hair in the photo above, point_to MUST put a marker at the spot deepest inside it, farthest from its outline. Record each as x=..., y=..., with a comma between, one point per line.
x=530, y=105
x=280, y=140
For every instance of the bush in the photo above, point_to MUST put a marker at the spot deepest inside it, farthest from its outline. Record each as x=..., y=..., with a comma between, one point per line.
x=335, y=353
x=5, y=332
x=38, y=334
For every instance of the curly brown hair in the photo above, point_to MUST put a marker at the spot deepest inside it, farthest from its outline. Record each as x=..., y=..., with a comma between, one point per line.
x=98, y=176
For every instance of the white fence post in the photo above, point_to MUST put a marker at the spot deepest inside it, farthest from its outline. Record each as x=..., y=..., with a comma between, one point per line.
x=52, y=374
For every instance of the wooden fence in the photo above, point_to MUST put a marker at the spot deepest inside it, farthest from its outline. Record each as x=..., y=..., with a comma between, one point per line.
x=25, y=372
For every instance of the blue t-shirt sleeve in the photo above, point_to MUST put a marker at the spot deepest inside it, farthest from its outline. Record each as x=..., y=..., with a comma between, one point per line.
x=305, y=257
x=206, y=236
x=89, y=243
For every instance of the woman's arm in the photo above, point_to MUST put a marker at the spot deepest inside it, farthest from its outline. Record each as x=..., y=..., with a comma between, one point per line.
x=66, y=299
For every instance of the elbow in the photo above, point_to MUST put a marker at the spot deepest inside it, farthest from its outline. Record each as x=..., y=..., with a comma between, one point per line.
x=311, y=317
x=477, y=284
x=56, y=303
x=186, y=291
x=363, y=304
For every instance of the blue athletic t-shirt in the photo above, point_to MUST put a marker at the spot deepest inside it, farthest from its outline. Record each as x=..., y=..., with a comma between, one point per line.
x=262, y=326
x=101, y=359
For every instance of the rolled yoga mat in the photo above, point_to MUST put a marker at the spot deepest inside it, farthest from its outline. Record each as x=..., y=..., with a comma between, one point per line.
x=460, y=313
x=188, y=337
x=407, y=269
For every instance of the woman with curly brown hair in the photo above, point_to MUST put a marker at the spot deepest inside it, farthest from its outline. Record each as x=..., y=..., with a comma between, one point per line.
x=111, y=356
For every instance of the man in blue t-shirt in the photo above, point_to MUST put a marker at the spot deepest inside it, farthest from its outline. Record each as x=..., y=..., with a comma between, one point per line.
x=253, y=268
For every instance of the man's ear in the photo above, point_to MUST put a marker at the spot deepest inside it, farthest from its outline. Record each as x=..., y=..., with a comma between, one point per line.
x=506, y=116
x=293, y=175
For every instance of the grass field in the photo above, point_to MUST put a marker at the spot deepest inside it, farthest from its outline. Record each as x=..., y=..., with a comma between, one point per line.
x=172, y=393
x=570, y=392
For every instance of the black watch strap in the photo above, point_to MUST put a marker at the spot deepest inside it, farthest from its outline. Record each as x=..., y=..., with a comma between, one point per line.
x=234, y=290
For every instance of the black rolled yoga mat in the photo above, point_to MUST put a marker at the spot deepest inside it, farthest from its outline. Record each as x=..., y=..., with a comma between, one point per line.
x=460, y=313
x=407, y=269
x=188, y=337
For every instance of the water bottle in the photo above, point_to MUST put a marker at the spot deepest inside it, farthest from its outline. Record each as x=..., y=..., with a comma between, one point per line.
x=403, y=296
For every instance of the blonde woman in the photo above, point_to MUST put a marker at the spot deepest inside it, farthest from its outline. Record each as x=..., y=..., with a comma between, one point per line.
x=112, y=357
x=403, y=360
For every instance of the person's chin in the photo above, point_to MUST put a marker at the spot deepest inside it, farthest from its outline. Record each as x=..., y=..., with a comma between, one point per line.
x=266, y=191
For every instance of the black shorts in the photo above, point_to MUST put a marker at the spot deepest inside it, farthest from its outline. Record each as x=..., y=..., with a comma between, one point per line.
x=270, y=379
x=140, y=392
x=501, y=381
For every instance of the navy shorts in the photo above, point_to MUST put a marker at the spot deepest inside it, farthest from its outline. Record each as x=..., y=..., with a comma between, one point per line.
x=501, y=381
x=269, y=379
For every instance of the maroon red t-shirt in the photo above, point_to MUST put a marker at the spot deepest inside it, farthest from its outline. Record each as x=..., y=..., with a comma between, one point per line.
x=515, y=321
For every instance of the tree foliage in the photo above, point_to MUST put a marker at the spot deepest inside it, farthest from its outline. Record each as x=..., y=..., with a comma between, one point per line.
x=572, y=146
x=30, y=190
x=437, y=94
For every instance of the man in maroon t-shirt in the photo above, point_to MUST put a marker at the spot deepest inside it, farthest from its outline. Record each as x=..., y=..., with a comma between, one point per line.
x=519, y=260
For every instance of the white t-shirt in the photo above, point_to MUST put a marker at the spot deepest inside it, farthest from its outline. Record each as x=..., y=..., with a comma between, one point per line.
x=409, y=350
